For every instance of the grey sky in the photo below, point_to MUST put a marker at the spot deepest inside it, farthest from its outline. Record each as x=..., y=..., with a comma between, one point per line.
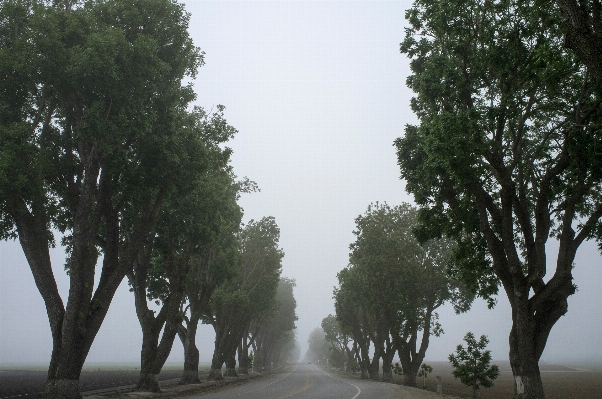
x=317, y=92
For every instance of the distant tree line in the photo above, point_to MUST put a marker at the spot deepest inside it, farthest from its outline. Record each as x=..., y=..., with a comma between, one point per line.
x=99, y=145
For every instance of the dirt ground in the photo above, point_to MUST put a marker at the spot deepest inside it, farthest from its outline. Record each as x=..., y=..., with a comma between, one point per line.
x=560, y=382
x=29, y=383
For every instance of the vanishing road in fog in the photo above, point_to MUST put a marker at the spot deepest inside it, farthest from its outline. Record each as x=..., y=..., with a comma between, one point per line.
x=307, y=381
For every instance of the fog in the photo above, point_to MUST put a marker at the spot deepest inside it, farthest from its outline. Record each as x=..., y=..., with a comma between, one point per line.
x=317, y=92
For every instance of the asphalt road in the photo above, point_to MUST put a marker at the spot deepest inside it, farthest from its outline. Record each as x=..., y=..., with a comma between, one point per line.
x=309, y=382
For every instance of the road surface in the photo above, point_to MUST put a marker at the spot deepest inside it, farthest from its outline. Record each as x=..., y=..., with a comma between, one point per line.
x=307, y=381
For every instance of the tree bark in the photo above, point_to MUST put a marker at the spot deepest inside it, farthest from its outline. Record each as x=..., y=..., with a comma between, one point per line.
x=75, y=326
x=231, y=365
x=387, y=360
x=190, y=374
x=154, y=352
x=217, y=360
x=364, y=361
x=409, y=378
x=243, y=355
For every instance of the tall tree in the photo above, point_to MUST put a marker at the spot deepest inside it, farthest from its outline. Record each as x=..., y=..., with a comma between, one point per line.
x=339, y=341
x=188, y=221
x=506, y=155
x=352, y=314
x=89, y=144
x=251, y=291
x=276, y=330
x=214, y=263
x=403, y=285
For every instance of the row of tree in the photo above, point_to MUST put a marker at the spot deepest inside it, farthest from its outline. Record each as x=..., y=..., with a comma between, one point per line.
x=506, y=155
x=99, y=145
x=387, y=298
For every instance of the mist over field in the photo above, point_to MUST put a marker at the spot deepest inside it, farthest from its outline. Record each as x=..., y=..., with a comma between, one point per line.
x=317, y=92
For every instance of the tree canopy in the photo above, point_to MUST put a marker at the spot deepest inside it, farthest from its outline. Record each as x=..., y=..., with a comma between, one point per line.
x=93, y=114
x=393, y=286
x=505, y=156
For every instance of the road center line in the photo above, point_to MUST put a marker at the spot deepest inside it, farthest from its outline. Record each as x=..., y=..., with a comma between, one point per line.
x=359, y=391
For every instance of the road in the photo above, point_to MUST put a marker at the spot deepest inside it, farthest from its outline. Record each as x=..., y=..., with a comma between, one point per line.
x=307, y=381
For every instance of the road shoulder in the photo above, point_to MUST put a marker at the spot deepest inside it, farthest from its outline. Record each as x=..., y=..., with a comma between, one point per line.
x=171, y=389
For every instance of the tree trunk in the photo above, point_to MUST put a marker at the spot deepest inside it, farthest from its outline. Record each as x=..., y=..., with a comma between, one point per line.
x=231, y=365
x=364, y=362
x=75, y=326
x=409, y=378
x=190, y=374
x=148, y=377
x=387, y=373
x=525, y=367
x=374, y=367
x=155, y=352
x=243, y=357
x=532, y=321
x=218, y=360
x=410, y=369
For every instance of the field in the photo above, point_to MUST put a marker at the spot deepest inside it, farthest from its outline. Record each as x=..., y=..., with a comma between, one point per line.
x=27, y=381
x=560, y=382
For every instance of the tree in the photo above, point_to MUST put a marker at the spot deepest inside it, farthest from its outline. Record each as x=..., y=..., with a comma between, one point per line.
x=214, y=262
x=425, y=369
x=583, y=33
x=188, y=222
x=90, y=142
x=506, y=155
x=273, y=335
x=318, y=350
x=339, y=343
x=403, y=283
x=250, y=292
x=353, y=317
x=471, y=365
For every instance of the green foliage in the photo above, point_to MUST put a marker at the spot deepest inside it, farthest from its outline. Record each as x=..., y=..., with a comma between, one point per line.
x=471, y=364
x=507, y=154
x=508, y=126
x=424, y=371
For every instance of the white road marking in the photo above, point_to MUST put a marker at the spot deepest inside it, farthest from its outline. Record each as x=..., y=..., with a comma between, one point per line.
x=359, y=391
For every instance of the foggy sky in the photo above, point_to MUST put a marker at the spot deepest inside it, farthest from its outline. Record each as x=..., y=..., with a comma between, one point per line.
x=317, y=92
